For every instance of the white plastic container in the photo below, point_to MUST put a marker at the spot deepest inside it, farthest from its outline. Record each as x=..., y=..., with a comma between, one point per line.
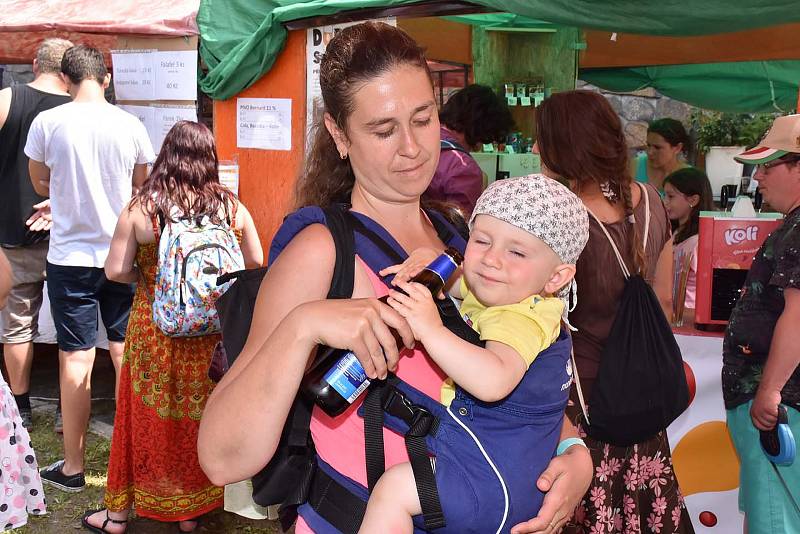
x=721, y=168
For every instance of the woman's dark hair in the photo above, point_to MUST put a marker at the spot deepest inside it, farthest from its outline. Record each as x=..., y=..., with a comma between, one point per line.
x=185, y=176
x=671, y=130
x=354, y=56
x=691, y=181
x=580, y=138
x=479, y=114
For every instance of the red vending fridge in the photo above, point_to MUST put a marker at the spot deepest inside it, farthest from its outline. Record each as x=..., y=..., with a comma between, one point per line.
x=726, y=247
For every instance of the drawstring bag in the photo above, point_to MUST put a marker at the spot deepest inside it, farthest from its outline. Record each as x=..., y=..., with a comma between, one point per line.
x=641, y=384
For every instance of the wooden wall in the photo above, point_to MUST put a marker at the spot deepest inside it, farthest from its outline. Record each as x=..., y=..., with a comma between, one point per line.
x=267, y=177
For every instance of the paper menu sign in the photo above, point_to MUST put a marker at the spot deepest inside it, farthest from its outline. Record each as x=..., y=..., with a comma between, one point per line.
x=133, y=74
x=143, y=113
x=229, y=175
x=264, y=123
x=159, y=119
x=176, y=75
x=164, y=118
x=154, y=74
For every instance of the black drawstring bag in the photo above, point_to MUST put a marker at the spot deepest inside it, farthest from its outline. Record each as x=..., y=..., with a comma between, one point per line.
x=641, y=383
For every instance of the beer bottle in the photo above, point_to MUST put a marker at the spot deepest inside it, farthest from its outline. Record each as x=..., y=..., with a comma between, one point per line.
x=337, y=378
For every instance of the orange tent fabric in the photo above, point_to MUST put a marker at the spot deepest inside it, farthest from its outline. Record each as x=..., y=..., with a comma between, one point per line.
x=91, y=22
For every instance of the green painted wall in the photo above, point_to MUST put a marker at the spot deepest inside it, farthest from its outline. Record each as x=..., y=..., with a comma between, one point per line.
x=500, y=57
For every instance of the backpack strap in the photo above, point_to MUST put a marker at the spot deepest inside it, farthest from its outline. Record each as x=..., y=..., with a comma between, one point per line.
x=646, y=197
x=231, y=217
x=646, y=214
x=341, y=230
x=341, y=288
x=158, y=222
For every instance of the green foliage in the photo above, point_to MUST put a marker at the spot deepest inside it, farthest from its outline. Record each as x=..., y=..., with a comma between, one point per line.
x=730, y=129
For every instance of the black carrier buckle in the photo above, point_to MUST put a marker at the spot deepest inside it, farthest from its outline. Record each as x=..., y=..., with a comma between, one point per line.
x=420, y=421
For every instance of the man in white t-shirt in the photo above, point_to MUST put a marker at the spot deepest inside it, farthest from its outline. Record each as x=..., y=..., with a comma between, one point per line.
x=87, y=156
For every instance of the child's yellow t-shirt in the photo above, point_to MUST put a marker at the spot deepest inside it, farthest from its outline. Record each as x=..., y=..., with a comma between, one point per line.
x=528, y=327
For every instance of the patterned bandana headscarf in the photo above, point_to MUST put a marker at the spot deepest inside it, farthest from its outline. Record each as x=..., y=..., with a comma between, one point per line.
x=544, y=208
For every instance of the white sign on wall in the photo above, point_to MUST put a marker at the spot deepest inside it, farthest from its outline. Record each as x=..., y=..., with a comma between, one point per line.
x=159, y=119
x=317, y=40
x=165, y=117
x=133, y=74
x=176, y=75
x=154, y=74
x=264, y=123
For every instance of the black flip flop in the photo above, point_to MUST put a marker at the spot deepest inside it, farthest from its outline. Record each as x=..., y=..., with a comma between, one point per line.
x=102, y=528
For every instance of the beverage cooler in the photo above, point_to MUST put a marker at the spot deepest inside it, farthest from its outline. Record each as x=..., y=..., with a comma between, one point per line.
x=726, y=247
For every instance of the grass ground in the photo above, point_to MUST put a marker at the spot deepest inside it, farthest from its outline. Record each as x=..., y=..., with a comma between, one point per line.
x=66, y=509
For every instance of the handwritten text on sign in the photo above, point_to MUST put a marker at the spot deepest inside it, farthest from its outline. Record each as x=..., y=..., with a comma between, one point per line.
x=155, y=75
x=264, y=123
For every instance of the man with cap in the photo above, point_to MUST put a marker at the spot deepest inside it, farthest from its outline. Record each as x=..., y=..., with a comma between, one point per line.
x=761, y=350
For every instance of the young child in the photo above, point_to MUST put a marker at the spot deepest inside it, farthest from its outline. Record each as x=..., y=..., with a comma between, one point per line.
x=20, y=486
x=687, y=192
x=525, y=237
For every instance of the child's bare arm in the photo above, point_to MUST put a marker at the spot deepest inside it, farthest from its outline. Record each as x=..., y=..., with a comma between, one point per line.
x=489, y=374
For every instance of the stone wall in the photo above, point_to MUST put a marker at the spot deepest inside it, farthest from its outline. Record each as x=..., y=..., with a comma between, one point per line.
x=638, y=108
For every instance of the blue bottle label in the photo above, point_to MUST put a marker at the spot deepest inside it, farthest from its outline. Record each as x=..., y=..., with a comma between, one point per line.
x=444, y=266
x=347, y=377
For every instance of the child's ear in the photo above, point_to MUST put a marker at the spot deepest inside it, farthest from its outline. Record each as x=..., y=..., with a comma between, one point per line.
x=562, y=275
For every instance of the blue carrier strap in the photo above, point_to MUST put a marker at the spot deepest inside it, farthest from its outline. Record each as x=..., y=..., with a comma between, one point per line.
x=335, y=502
x=419, y=420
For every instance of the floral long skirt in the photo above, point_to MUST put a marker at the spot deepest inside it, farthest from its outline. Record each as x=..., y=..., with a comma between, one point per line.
x=163, y=388
x=633, y=491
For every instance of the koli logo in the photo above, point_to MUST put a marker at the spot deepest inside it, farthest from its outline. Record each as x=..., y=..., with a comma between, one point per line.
x=734, y=236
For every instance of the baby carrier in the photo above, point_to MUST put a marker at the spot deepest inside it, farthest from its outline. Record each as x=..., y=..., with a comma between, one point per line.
x=326, y=497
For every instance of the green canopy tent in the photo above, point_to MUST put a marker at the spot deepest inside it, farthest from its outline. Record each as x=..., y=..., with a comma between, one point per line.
x=739, y=86
x=240, y=39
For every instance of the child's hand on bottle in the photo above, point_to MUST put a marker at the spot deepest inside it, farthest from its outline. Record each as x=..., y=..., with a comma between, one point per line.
x=416, y=261
x=417, y=307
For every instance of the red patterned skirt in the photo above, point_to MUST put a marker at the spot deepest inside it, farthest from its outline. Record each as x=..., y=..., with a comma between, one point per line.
x=163, y=389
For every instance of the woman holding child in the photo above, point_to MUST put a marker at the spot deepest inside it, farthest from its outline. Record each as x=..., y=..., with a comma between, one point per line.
x=377, y=151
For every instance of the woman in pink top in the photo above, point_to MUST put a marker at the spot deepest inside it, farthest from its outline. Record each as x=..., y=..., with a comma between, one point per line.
x=377, y=149
x=687, y=192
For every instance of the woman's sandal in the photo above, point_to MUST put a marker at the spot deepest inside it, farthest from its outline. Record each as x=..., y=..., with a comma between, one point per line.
x=102, y=528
